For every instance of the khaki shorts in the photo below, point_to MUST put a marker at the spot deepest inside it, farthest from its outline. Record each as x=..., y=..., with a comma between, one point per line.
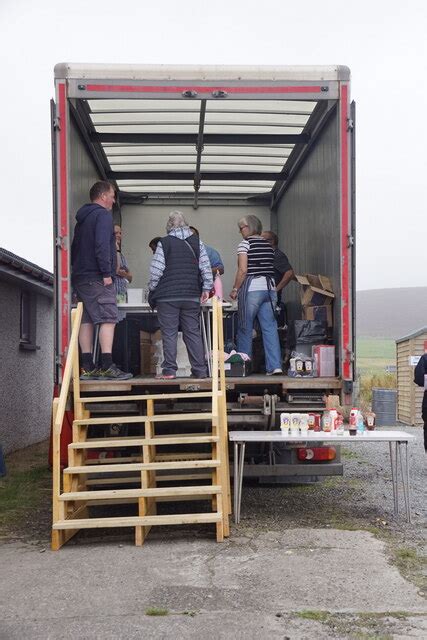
x=99, y=302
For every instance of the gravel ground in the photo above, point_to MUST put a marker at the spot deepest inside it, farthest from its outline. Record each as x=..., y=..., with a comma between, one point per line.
x=359, y=500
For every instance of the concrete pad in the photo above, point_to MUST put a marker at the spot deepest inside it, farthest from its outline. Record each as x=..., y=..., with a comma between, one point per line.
x=86, y=590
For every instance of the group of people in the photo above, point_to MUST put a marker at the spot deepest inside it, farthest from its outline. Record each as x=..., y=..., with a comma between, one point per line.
x=182, y=271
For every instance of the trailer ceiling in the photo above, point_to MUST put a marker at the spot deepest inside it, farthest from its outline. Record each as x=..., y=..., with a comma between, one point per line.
x=197, y=147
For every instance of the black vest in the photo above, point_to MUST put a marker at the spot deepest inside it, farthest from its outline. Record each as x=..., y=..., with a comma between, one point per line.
x=181, y=277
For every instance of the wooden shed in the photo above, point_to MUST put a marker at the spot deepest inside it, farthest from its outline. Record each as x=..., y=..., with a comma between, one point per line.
x=409, y=395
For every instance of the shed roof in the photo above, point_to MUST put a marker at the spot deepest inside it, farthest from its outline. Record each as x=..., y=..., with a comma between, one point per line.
x=415, y=334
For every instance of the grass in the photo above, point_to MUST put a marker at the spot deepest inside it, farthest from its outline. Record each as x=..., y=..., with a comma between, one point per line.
x=374, y=354
x=318, y=616
x=408, y=559
x=21, y=491
x=361, y=625
x=156, y=611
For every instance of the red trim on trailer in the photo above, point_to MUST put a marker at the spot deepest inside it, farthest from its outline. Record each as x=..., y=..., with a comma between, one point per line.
x=345, y=263
x=63, y=220
x=167, y=89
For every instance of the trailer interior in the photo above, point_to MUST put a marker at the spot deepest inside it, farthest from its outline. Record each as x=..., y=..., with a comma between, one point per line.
x=217, y=144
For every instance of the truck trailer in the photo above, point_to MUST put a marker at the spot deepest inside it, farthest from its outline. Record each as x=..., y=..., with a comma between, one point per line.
x=217, y=143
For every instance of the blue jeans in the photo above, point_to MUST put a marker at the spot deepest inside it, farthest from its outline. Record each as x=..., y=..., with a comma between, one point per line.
x=259, y=305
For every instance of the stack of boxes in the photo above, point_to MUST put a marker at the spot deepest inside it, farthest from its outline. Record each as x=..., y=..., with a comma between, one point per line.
x=317, y=305
x=148, y=347
x=151, y=349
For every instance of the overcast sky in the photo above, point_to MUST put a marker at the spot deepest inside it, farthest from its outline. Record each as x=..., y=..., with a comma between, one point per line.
x=383, y=42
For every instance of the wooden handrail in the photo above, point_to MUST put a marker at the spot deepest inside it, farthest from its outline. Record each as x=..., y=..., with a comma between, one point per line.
x=64, y=510
x=59, y=406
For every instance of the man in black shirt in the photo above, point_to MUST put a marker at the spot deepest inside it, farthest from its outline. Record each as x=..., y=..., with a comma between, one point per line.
x=283, y=272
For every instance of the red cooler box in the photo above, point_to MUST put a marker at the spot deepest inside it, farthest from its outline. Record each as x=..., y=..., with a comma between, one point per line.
x=324, y=360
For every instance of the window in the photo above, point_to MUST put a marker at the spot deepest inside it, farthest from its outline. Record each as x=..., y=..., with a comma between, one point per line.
x=27, y=339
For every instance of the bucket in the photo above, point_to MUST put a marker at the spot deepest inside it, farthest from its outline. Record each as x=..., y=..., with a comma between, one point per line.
x=384, y=406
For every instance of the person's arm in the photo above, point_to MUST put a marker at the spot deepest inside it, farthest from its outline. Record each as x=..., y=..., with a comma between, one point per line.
x=286, y=278
x=216, y=262
x=103, y=233
x=122, y=271
x=242, y=269
x=157, y=267
x=205, y=268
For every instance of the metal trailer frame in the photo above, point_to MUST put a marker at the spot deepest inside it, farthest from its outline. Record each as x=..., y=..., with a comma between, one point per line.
x=325, y=84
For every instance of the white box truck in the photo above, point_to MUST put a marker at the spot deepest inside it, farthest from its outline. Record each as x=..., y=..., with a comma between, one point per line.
x=217, y=143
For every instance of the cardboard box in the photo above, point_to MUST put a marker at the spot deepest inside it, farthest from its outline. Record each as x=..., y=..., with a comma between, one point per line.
x=324, y=360
x=322, y=313
x=316, y=290
x=148, y=350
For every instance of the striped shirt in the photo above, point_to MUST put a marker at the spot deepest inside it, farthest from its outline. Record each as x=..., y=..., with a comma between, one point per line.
x=260, y=261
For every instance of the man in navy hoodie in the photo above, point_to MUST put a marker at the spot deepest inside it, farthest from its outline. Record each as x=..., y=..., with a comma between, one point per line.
x=93, y=264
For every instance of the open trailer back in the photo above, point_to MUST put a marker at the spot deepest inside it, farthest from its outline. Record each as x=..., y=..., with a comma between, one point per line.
x=217, y=143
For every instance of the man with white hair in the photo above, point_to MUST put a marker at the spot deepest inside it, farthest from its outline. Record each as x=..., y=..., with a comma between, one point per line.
x=180, y=279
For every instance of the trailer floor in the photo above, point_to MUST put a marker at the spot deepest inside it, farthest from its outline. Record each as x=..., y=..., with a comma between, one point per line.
x=186, y=384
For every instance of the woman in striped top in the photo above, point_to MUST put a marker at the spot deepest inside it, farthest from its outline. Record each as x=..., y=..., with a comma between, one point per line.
x=255, y=291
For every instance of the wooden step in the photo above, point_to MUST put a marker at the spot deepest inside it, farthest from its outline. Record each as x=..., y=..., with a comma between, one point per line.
x=137, y=521
x=143, y=466
x=173, y=417
x=136, y=479
x=160, y=457
x=154, y=396
x=118, y=494
x=138, y=441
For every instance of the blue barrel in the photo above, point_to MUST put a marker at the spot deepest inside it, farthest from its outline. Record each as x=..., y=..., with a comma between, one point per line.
x=384, y=406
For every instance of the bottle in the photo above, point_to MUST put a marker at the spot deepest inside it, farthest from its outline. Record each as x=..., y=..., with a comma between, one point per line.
x=353, y=416
x=370, y=420
x=326, y=421
x=334, y=415
x=360, y=427
x=304, y=424
x=295, y=424
x=285, y=423
x=339, y=425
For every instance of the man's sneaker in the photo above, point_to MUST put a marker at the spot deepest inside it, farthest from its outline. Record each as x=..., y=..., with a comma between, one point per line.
x=113, y=373
x=89, y=374
x=275, y=372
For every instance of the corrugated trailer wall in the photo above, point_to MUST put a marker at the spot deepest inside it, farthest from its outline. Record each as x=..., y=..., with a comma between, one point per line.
x=308, y=219
x=217, y=226
x=82, y=171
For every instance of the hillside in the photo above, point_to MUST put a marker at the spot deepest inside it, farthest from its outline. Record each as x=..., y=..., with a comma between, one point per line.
x=391, y=313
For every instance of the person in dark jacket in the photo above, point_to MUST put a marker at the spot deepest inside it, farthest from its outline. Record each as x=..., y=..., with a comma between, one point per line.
x=180, y=279
x=283, y=271
x=420, y=374
x=93, y=264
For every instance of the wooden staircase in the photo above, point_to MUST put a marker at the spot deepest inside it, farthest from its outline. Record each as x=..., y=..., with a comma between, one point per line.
x=200, y=475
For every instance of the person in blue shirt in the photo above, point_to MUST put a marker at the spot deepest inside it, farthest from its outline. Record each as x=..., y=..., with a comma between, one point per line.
x=213, y=255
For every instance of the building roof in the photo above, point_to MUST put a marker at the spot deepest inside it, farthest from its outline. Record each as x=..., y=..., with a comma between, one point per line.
x=414, y=334
x=17, y=269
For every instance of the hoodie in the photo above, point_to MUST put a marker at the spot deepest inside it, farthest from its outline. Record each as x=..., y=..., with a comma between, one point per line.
x=93, y=251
